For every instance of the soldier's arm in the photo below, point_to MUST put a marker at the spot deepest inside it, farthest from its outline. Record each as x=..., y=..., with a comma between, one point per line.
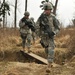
x=21, y=24
x=56, y=25
x=37, y=27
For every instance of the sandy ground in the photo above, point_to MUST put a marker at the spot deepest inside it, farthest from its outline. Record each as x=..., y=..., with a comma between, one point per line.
x=17, y=68
x=13, y=63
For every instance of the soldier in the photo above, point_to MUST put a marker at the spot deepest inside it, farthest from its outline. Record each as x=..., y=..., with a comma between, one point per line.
x=25, y=30
x=33, y=33
x=44, y=2
x=48, y=26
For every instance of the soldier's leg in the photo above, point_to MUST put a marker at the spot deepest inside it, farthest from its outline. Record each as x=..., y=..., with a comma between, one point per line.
x=51, y=52
x=46, y=51
x=33, y=35
x=23, y=41
x=50, y=56
x=29, y=42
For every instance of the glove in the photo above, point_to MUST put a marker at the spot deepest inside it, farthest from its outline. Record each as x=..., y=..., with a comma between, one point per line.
x=43, y=45
x=33, y=29
x=51, y=34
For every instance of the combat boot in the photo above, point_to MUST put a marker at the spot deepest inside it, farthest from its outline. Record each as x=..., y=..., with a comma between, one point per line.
x=23, y=49
x=29, y=50
x=49, y=66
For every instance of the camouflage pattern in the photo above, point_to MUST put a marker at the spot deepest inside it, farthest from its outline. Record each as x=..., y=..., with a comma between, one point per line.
x=47, y=5
x=32, y=19
x=24, y=29
x=33, y=33
x=25, y=32
x=29, y=38
x=47, y=0
x=26, y=13
x=47, y=41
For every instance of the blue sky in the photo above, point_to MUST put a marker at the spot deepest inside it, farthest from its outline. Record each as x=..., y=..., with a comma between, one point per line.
x=65, y=10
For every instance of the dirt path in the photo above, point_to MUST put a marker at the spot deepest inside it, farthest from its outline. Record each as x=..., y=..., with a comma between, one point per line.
x=14, y=63
x=17, y=68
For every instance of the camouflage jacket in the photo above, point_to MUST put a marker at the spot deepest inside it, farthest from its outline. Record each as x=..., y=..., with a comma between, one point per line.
x=52, y=22
x=24, y=29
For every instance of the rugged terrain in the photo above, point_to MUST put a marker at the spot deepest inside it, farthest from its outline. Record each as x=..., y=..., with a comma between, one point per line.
x=12, y=62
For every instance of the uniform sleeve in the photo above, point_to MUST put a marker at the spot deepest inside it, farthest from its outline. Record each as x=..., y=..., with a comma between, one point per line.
x=21, y=24
x=56, y=25
x=37, y=26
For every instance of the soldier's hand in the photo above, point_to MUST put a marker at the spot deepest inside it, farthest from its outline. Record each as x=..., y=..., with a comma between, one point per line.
x=52, y=33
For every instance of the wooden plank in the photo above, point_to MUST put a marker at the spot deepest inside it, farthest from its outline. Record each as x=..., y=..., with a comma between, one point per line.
x=38, y=57
x=42, y=59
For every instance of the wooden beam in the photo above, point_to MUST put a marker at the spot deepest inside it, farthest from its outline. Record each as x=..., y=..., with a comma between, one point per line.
x=42, y=59
x=38, y=58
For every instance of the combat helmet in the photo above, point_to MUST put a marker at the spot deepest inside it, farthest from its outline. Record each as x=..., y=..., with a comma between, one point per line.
x=48, y=6
x=26, y=13
x=32, y=18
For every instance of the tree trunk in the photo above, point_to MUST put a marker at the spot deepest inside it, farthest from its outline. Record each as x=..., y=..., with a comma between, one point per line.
x=4, y=15
x=55, y=7
x=25, y=5
x=73, y=22
x=15, y=14
x=6, y=19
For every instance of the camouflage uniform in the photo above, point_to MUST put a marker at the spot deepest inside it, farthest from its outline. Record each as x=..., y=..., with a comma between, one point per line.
x=46, y=2
x=46, y=40
x=25, y=31
x=33, y=33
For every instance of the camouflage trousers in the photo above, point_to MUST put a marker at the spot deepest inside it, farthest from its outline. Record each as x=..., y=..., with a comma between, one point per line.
x=49, y=47
x=33, y=36
x=26, y=40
